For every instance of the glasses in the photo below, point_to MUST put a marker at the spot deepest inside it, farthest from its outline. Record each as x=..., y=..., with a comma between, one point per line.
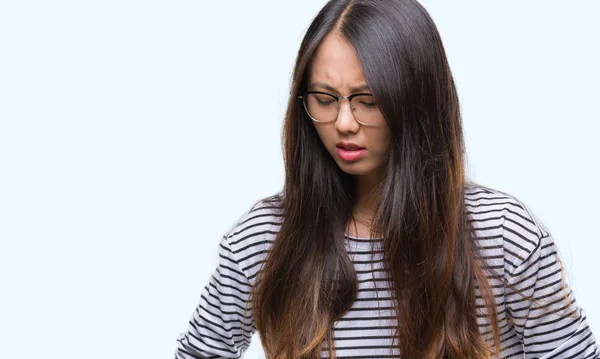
x=323, y=107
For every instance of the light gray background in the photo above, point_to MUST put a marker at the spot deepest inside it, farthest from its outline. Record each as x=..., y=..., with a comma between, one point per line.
x=134, y=133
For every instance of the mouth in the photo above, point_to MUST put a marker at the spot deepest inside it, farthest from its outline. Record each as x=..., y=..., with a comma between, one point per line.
x=349, y=146
x=350, y=155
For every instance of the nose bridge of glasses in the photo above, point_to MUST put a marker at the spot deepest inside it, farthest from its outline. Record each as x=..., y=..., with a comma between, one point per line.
x=352, y=111
x=349, y=98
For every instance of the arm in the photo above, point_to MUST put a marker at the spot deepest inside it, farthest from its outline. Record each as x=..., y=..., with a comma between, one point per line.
x=551, y=325
x=222, y=324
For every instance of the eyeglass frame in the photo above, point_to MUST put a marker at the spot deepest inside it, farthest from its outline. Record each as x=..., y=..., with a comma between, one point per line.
x=337, y=98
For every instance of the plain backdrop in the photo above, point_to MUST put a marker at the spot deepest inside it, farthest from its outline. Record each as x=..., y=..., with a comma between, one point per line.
x=134, y=133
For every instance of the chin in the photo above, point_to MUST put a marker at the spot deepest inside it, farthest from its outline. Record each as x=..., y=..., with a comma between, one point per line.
x=353, y=169
x=360, y=169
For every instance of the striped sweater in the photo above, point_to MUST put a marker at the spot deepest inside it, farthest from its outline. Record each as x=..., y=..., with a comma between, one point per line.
x=512, y=241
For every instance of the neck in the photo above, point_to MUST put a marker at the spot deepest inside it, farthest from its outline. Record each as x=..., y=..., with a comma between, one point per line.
x=367, y=194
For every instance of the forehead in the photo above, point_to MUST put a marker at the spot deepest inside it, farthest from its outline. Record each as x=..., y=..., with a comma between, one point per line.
x=336, y=63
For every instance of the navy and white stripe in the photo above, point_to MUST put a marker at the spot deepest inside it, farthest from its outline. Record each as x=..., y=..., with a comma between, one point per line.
x=516, y=248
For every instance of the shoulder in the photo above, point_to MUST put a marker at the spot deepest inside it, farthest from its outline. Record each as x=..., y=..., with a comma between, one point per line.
x=505, y=226
x=254, y=231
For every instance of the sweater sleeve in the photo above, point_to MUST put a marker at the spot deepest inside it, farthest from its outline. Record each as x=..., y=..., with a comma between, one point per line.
x=547, y=319
x=222, y=324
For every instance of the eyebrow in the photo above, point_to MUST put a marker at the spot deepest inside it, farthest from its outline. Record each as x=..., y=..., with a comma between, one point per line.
x=362, y=87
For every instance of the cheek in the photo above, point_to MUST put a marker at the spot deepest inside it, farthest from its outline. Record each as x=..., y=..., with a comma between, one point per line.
x=381, y=143
x=325, y=135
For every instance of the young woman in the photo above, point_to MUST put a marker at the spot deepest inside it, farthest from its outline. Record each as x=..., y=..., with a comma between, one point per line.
x=378, y=247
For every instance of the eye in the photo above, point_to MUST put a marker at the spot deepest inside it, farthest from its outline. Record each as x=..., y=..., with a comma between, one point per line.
x=368, y=104
x=324, y=102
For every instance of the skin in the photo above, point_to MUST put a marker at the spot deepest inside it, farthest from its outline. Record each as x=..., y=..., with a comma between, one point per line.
x=337, y=65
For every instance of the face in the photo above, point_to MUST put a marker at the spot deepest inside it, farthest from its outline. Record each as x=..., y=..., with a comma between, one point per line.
x=336, y=69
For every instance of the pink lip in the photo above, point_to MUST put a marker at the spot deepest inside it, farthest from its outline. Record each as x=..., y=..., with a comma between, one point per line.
x=349, y=146
x=347, y=155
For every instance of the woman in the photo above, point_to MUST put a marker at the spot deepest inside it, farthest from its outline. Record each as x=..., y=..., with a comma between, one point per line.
x=378, y=245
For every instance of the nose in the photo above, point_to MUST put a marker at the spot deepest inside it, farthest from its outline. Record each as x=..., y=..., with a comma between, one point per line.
x=345, y=120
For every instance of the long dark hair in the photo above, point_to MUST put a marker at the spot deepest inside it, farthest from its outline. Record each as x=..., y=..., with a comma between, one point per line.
x=308, y=282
